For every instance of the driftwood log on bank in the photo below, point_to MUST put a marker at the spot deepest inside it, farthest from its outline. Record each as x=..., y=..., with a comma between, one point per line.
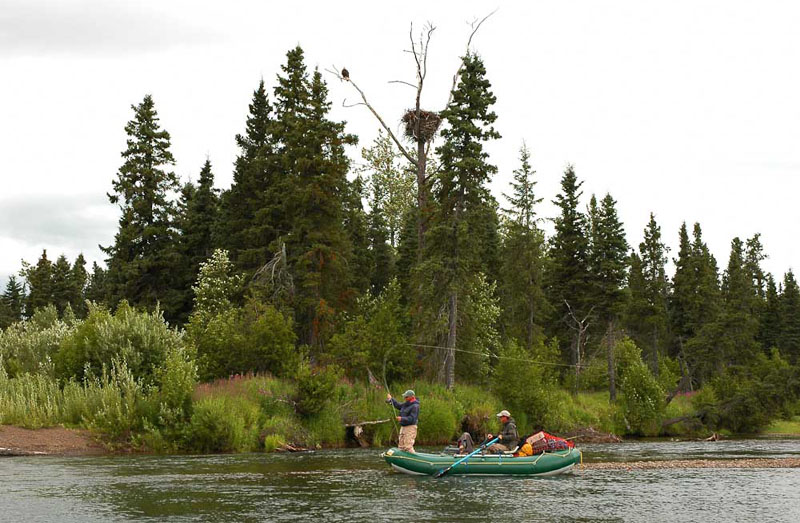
x=747, y=463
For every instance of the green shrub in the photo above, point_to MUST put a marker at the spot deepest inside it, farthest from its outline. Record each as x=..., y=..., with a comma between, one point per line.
x=325, y=428
x=642, y=398
x=438, y=421
x=375, y=338
x=316, y=388
x=749, y=397
x=140, y=339
x=525, y=386
x=254, y=338
x=30, y=346
x=121, y=404
x=223, y=424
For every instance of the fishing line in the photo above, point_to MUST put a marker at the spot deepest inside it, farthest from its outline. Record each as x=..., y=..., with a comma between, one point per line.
x=512, y=358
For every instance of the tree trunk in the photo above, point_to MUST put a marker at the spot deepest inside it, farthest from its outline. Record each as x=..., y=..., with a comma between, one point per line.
x=655, y=350
x=612, y=375
x=422, y=194
x=450, y=366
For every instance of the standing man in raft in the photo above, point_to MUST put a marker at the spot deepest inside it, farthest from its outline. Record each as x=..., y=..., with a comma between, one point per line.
x=409, y=412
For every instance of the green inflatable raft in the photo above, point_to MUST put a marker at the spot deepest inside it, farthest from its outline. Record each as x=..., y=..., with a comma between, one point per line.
x=549, y=463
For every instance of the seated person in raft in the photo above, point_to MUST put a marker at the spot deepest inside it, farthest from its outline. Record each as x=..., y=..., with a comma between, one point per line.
x=509, y=439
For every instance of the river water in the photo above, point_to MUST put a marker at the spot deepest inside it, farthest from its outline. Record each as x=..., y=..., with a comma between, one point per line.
x=356, y=485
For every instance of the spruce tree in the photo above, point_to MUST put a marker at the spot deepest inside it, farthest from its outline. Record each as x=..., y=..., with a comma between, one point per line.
x=459, y=237
x=250, y=218
x=198, y=216
x=39, y=280
x=730, y=338
x=313, y=189
x=142, y=262
x=684, y=284
x=524, y=305
x=11, y=302
x=97, y=290
x=769, y=328
x=359, y=228
x=78, y=280
x=62, y=284
x=608, y=263
x=653, y=253
x=569, y=288
x=381, y=249
x=706, y=304
x=789, y=309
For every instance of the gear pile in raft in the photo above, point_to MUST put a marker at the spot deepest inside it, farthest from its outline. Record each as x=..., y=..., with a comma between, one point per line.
x=540, y=454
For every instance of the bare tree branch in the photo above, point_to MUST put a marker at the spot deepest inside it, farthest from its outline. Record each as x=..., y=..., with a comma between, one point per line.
x=334, y=71
x=403, y=82
x=347, y=105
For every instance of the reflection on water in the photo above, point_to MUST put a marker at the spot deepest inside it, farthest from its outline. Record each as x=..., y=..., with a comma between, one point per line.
x=356, y=485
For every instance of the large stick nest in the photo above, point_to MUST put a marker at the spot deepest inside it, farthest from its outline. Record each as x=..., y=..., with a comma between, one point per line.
x=429, y=123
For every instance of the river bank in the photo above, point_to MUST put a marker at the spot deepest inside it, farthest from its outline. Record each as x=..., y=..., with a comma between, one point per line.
x=60, y=441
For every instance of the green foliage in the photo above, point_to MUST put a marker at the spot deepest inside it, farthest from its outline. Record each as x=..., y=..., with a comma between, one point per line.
x=139, y=339
x=222, y=424
x=253, y=338
x=31, y=346
x=525, y=382
x=642, y=399
x=375, y=338
x=316, y=388
x=462, y=240
x=438, y=420
x=216, y=287
x=143, y=264
x=749, y=397
x=121, y=403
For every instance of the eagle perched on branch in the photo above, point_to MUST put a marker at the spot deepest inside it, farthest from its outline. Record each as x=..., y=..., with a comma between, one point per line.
x=346, y=74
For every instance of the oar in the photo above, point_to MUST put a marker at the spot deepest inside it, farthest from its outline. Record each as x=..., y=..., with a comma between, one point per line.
x=465, y=458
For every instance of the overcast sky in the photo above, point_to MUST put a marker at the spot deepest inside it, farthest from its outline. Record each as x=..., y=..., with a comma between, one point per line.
x=688, y=109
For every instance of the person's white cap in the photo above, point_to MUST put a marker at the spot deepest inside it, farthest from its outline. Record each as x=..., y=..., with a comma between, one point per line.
x=503, y=413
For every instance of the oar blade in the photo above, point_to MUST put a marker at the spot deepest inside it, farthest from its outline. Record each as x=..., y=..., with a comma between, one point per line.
x=442, y=472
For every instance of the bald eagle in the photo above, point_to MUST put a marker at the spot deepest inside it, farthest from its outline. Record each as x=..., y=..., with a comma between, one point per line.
x=345, y=74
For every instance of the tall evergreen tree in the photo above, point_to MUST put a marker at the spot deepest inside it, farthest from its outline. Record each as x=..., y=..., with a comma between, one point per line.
x=382, y=251
x=684, y=284
x=524, y=304
x=739, y=320
x=789, y=308
x=97, y=290
x=39, y=280
x=62, y=284
x=458, y=237
x=313, y=190
x=11, y=302
x=78, y=279
x=769, y=327
x=198, y=216
x=569, y=288
x=647, y=315
x=608, y=263
x=142, y=262
x=359, y=228
x=250, y=217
